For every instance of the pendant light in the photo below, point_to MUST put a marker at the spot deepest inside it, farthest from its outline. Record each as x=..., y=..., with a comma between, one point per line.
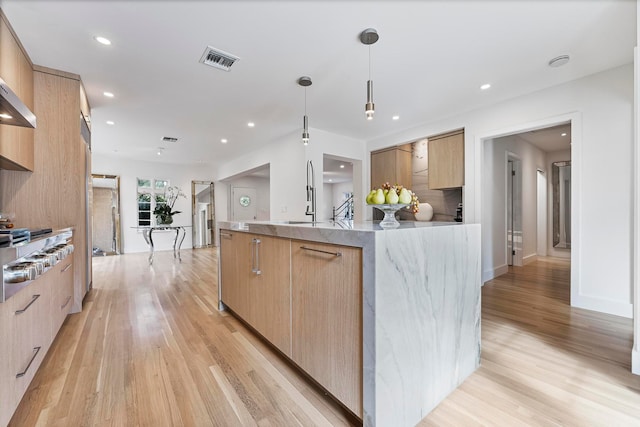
x=369, y=37
x=305, y=81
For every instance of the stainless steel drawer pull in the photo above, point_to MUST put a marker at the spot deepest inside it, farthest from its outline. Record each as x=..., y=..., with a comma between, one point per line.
x=33, y=299
x=66, y=302
x=226, y=235
x=255, y=257
x=66, y=268
x=36, y=350
x=321, y=251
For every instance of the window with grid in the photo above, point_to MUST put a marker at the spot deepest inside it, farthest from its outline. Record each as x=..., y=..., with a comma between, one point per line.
x=151, y=193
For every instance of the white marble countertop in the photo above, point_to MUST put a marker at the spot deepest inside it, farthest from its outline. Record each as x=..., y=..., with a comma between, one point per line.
x=347, y=233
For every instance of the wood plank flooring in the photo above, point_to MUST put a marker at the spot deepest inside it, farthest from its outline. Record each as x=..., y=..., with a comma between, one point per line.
x=150, y=349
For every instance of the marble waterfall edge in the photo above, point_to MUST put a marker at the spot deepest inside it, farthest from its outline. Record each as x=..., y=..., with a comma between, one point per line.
x=427, y=319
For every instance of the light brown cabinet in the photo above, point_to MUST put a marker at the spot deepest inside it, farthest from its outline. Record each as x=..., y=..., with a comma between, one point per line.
x=446, y=160
x=391, y=165
x=326, y=291
x=62, y=298
x=256, y=287
x=32, y=334
x=16, y=143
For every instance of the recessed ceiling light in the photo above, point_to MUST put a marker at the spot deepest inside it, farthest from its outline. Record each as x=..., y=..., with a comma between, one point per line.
x=341, y=166
x=110, y=122
x=160, y=151
x=108, y=94
x=563, y=134
x=251, y=124
x=559, y=61
x=5, y=116
x=102, y=40
x=395, y=118
x=224, y=140
x=485, y=86
x=330, y=180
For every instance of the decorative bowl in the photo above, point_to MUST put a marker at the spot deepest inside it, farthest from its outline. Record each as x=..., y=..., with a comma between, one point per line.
x=389, y=220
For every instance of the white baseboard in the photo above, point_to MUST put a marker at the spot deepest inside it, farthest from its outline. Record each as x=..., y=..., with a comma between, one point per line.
x=493, y=273
x=617, y=308
x=528, y=259
x=635, y=361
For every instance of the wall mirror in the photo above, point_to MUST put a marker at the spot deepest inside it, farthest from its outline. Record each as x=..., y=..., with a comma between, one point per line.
x=561, y=181
x=105, y=215
x=202, y=210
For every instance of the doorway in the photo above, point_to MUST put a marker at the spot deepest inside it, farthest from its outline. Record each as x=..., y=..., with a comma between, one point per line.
x=105, y=215
x=203, y=214
x=337, y=189
x=514, y=210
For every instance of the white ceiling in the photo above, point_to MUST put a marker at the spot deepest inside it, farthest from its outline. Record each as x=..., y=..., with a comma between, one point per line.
x=431, y=58
x=335, y=171
x=550, y=139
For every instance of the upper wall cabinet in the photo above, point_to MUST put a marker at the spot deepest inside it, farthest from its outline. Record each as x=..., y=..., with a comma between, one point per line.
x=16, y=143
x=446, y=160
x=392, y=165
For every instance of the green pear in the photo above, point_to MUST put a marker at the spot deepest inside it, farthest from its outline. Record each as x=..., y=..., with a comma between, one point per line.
x=405, y=196
x=370, y=196
x=378, y=199
x=392, y=197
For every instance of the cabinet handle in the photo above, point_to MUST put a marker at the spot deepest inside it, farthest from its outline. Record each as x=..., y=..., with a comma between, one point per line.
x=36, y=350
x=321, y=251
x=33, y=299
x=255, y=257
x=66, y=268
x=226, y=235
x=65, y=303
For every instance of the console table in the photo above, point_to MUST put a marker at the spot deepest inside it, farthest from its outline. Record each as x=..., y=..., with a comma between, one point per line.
x=147, y=233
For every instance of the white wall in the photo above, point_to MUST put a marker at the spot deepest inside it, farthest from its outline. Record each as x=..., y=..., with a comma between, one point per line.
x=555, y=156
x=600, y=107
x=262, y=194
x=287, y=161
x=326, y=209
x=129, y=171
x=494, y=246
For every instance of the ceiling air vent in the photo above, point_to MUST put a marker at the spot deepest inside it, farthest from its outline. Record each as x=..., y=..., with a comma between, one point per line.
x=218, y=58
x=169, y=139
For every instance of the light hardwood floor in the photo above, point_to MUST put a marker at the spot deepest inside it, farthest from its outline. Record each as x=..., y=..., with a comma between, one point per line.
x=150, y=349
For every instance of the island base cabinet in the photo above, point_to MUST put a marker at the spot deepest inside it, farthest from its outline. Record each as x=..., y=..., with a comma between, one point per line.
x=327, y=317
x=256, y=286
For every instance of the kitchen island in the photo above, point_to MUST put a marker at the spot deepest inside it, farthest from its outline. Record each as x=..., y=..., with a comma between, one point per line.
x=418, y=310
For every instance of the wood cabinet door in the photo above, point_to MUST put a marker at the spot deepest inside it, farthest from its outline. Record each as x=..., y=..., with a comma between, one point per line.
x=31, y=331
x=234, y=263
x=446, y=161
x=7, y=373
x=62, y=283
x=327, y=317
x=255, y=283
x=270, y=289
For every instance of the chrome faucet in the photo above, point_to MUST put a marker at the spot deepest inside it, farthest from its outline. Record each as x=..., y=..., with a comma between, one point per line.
x=311, y=191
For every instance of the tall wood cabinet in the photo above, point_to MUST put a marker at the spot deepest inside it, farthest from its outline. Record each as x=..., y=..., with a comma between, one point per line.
x=258, y=287
x=446, y=160
x=16, y=143
x=326, y=289
x=54, y=194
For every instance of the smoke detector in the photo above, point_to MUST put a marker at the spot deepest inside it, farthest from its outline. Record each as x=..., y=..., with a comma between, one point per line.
x=559, y=61
x=218, y=58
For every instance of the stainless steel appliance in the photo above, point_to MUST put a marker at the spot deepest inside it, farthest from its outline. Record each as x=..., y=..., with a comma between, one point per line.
x=25, y=261
x=88, y=244
x=12, y=110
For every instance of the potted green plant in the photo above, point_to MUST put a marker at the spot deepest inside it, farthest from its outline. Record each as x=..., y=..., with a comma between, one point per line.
x=164, y=205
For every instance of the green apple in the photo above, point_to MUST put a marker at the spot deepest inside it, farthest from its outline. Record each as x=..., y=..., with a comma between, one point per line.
x=392, y=197
x=405, y=196
x=378, y=199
